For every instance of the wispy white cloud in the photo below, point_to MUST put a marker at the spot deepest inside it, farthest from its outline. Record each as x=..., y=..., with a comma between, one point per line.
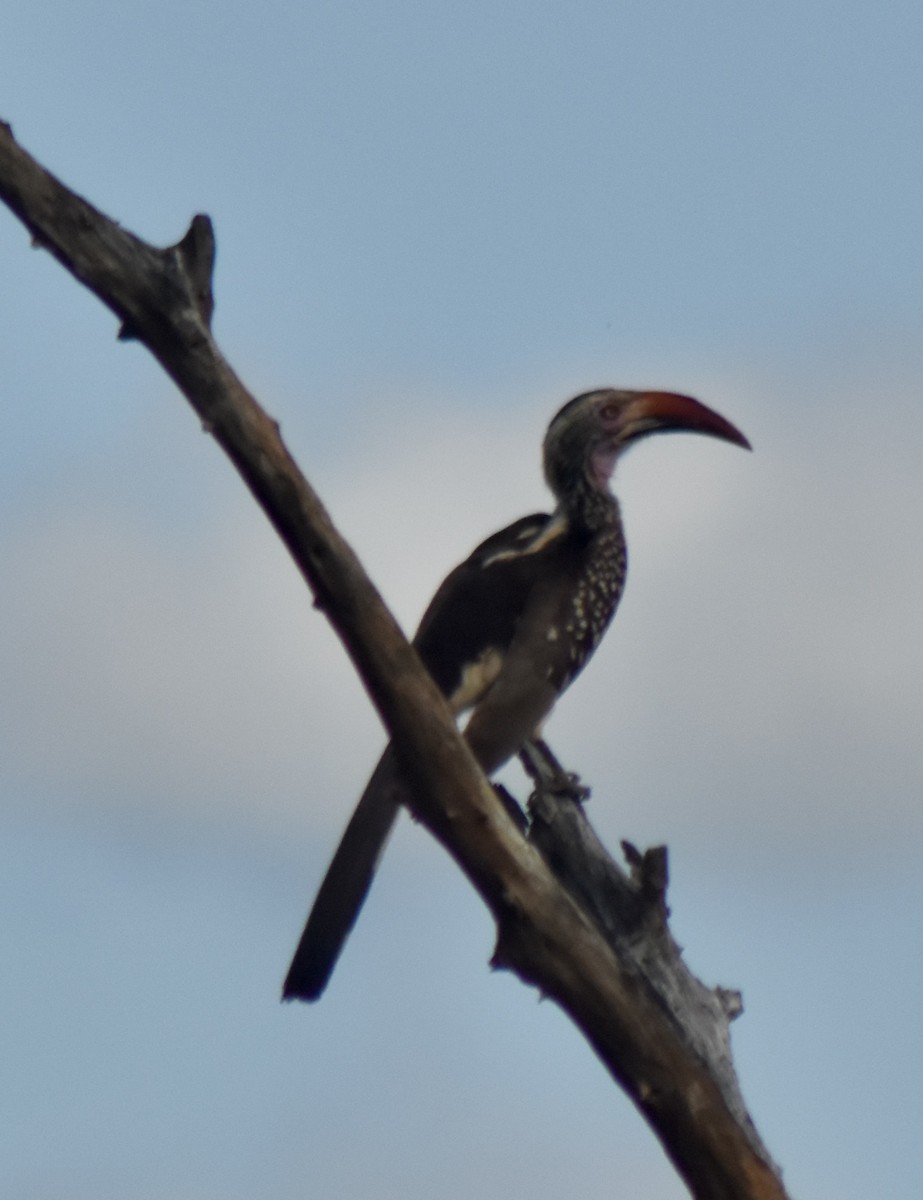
x=762, y=679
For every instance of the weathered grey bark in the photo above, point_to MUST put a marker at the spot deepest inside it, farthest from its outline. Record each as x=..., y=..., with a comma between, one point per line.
x=655, y=1037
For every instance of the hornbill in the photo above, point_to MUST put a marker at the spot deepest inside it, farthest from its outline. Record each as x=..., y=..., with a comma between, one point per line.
x=508, y=631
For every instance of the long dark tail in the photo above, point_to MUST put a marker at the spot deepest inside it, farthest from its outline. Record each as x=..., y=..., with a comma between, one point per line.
x=345, y=885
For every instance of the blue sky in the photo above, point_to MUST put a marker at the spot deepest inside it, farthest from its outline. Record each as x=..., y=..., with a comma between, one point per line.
x=434, y=226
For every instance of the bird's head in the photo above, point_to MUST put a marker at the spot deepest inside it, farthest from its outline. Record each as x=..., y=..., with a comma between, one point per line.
x=586, y=436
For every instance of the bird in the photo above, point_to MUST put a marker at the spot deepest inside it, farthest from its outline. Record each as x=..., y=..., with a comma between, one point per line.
x=509, y=630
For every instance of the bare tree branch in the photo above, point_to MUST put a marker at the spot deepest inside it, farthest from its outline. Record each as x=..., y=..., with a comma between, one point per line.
x=163, y=298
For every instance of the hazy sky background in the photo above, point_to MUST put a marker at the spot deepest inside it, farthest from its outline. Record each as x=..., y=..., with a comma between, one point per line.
x=435, y=225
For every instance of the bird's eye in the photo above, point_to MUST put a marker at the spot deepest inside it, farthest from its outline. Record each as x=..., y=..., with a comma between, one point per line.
x=609, y=411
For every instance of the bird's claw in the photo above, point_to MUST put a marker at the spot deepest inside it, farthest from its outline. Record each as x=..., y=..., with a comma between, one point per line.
x=547, y=773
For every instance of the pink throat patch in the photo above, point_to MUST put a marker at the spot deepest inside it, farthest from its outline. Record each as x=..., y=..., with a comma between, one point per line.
x=602, y=464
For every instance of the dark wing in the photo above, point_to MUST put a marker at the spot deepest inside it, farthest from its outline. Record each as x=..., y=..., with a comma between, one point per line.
x=478, y=605
x=538, y=661
x=496, y=635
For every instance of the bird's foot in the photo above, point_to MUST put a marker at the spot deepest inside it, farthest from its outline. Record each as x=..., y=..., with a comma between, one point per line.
x=542, y=766
x=569, y=784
